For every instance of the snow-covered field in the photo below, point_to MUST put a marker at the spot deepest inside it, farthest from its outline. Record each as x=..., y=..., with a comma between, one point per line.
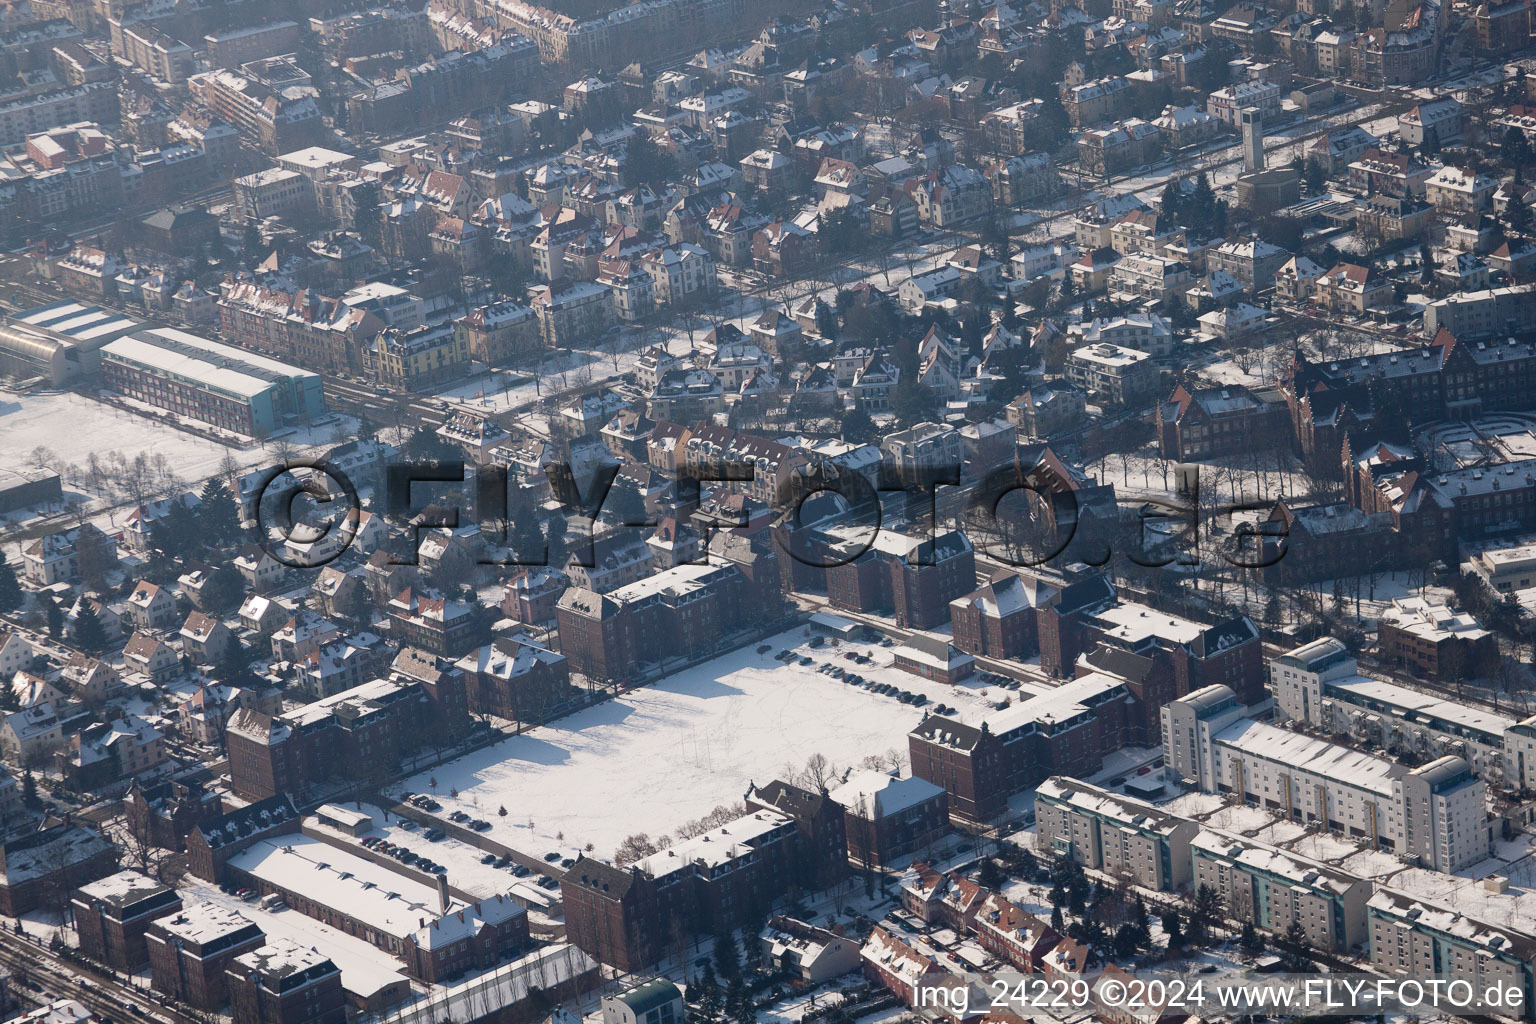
x=663, y=755
x=73, y=426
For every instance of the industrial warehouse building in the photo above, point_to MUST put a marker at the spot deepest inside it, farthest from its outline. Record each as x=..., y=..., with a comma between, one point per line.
x=218, y=384
x=60, y=342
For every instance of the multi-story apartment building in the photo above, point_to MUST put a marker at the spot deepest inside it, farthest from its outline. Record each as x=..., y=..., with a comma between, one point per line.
x=573, y=312
x=316, y=332
x=1416, y=938
x=1122, y=836
x=1320, y=685
x=1227, y=103
x=1395, y=174
x=156, y=53
x=924, y=451
x=429, y=354
x=1429, y=640
x=1274, y=889
x=44, y=111
x=499, y=333
x=275, y=120
x=1435, y=812
x=1122, y=376
x=235, y=47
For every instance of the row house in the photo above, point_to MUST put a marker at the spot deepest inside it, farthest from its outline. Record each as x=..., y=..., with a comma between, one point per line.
x=300, y=326
x=1013, y=934
x=941, y=900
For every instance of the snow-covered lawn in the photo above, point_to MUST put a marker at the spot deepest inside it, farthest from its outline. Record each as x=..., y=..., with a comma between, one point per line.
x=658, y=757
x=73, y=426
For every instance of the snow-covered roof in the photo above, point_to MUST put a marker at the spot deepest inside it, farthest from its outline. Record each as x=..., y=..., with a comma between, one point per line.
x=873, y=795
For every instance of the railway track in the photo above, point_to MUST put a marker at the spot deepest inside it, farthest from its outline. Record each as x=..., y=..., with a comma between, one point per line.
x=106, y=997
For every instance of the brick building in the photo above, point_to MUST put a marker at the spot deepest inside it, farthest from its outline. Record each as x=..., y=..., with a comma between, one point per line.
x=438, y=936
x=42, y=868
x=282, y=982
x=681, y=610
x=1202, y=423
x=998, y=620
x=630, y=917
x=211, y=843
x=111, y=916
x=167, y=812
x=887, y=818
x=821, y=856
x=190, y=950
x=981, y=763
x=515, y=678
x=1431, y=641
x=358, y=733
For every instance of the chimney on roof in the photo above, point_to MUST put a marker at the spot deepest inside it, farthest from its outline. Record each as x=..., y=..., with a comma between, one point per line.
x=442, y=891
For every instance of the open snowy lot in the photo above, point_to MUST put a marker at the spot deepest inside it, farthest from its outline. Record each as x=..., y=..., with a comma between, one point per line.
x=658, y=757
x=72, y=426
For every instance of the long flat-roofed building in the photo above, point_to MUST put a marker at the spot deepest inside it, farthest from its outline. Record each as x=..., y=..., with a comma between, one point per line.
x=437, y=935
x=1319, y=684
x=1274, y=889
x=1412, y=937
x=1436, y=813
x=1113, y=833
x=219, y=384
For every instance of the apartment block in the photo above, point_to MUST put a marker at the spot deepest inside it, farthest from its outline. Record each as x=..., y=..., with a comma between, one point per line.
x=1116, y=834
